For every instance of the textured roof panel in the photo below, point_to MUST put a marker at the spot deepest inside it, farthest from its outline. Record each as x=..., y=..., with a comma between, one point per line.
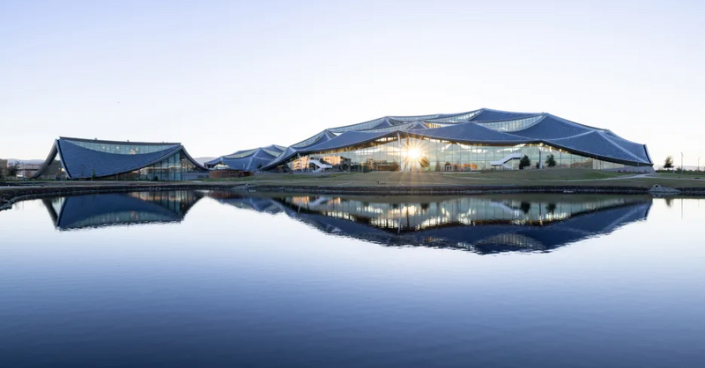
x=468, y=132
x=347, y=139
x=482, y=126
x=83, y=162
x=552, y=127
x=595, y=143
x=636, y=149
x=496, y=115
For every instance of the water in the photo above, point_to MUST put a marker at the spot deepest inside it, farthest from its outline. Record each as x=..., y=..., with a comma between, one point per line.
x=213, y=279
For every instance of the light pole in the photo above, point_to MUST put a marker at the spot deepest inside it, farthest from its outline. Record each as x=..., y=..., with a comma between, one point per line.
x=681, y=162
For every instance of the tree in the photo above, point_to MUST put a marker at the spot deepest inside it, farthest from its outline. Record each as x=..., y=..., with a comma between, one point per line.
x=668, y=164
x=525, y=206
x=551, y=208
x=525, y=162
x=551, y=160
x=13, y=169
x=438, y=166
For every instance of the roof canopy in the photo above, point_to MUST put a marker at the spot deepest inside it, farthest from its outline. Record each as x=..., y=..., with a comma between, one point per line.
x=483, y=126
x=85, y=158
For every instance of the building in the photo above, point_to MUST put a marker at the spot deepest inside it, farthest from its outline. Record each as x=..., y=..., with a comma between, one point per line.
x=27, y=170
x=3, y=168
x=483, y=139
x=244, y=162
x=76, y=158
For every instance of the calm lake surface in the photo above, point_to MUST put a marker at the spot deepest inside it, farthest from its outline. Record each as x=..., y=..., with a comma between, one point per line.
x=215, y=279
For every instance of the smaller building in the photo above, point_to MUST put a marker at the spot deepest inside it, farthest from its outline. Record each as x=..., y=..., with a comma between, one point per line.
x=3, y=168
x=77, y=158
x=244, y=162
x=27, y=170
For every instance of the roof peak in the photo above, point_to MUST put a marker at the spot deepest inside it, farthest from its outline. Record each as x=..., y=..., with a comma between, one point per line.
x=96, y=140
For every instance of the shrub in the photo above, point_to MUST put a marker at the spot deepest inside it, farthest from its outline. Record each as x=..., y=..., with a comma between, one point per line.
x=525, y=162
x=551, y=160
x=13, y=169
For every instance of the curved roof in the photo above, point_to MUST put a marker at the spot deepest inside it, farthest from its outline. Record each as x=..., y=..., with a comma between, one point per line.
x=83, y=158
x=248, y=160
x=482, y=126
x=251, y=162
x=82, y=162
x=497, y=115
x=551, y=127
x=468, y=132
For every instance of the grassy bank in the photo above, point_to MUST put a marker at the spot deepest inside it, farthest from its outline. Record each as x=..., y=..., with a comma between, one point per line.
x=554, y=177
x=383, y=183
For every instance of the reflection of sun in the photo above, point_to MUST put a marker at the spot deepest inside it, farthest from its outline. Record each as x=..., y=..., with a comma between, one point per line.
x=413, y=153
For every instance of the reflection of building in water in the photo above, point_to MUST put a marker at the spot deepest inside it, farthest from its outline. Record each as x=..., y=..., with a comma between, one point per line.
x=98, y=210
x=484, y=224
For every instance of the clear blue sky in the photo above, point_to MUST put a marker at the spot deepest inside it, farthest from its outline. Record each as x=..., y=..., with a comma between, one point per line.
x=223, y=76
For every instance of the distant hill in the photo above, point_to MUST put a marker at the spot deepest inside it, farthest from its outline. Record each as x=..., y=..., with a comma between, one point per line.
x=34, y=161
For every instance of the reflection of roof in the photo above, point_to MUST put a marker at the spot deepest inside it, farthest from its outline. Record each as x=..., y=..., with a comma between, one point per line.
x=487, y=236
x=99, y=210
x=484, y=126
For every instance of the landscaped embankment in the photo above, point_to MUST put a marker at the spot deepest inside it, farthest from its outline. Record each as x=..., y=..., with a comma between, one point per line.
x=13, y=194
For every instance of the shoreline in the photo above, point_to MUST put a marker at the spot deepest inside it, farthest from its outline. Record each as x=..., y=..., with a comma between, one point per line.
x=13, y=194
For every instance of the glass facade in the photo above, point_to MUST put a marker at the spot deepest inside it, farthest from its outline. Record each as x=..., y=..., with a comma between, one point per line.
x=174, y=167
x=424, y=154
x=122, y=148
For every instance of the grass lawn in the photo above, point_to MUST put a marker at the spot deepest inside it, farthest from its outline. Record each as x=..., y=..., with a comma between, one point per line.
x=549, y=177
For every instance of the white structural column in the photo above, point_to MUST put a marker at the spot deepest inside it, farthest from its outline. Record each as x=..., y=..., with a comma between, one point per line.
x=401, y=158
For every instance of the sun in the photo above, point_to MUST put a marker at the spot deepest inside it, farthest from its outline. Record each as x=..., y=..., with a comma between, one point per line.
x=413, y=153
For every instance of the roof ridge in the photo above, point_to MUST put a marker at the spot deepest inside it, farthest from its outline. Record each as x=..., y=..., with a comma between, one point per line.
x=573, y=136
x=512, y=112
x=118, y=142
x=503, y=120
x=603, y=135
